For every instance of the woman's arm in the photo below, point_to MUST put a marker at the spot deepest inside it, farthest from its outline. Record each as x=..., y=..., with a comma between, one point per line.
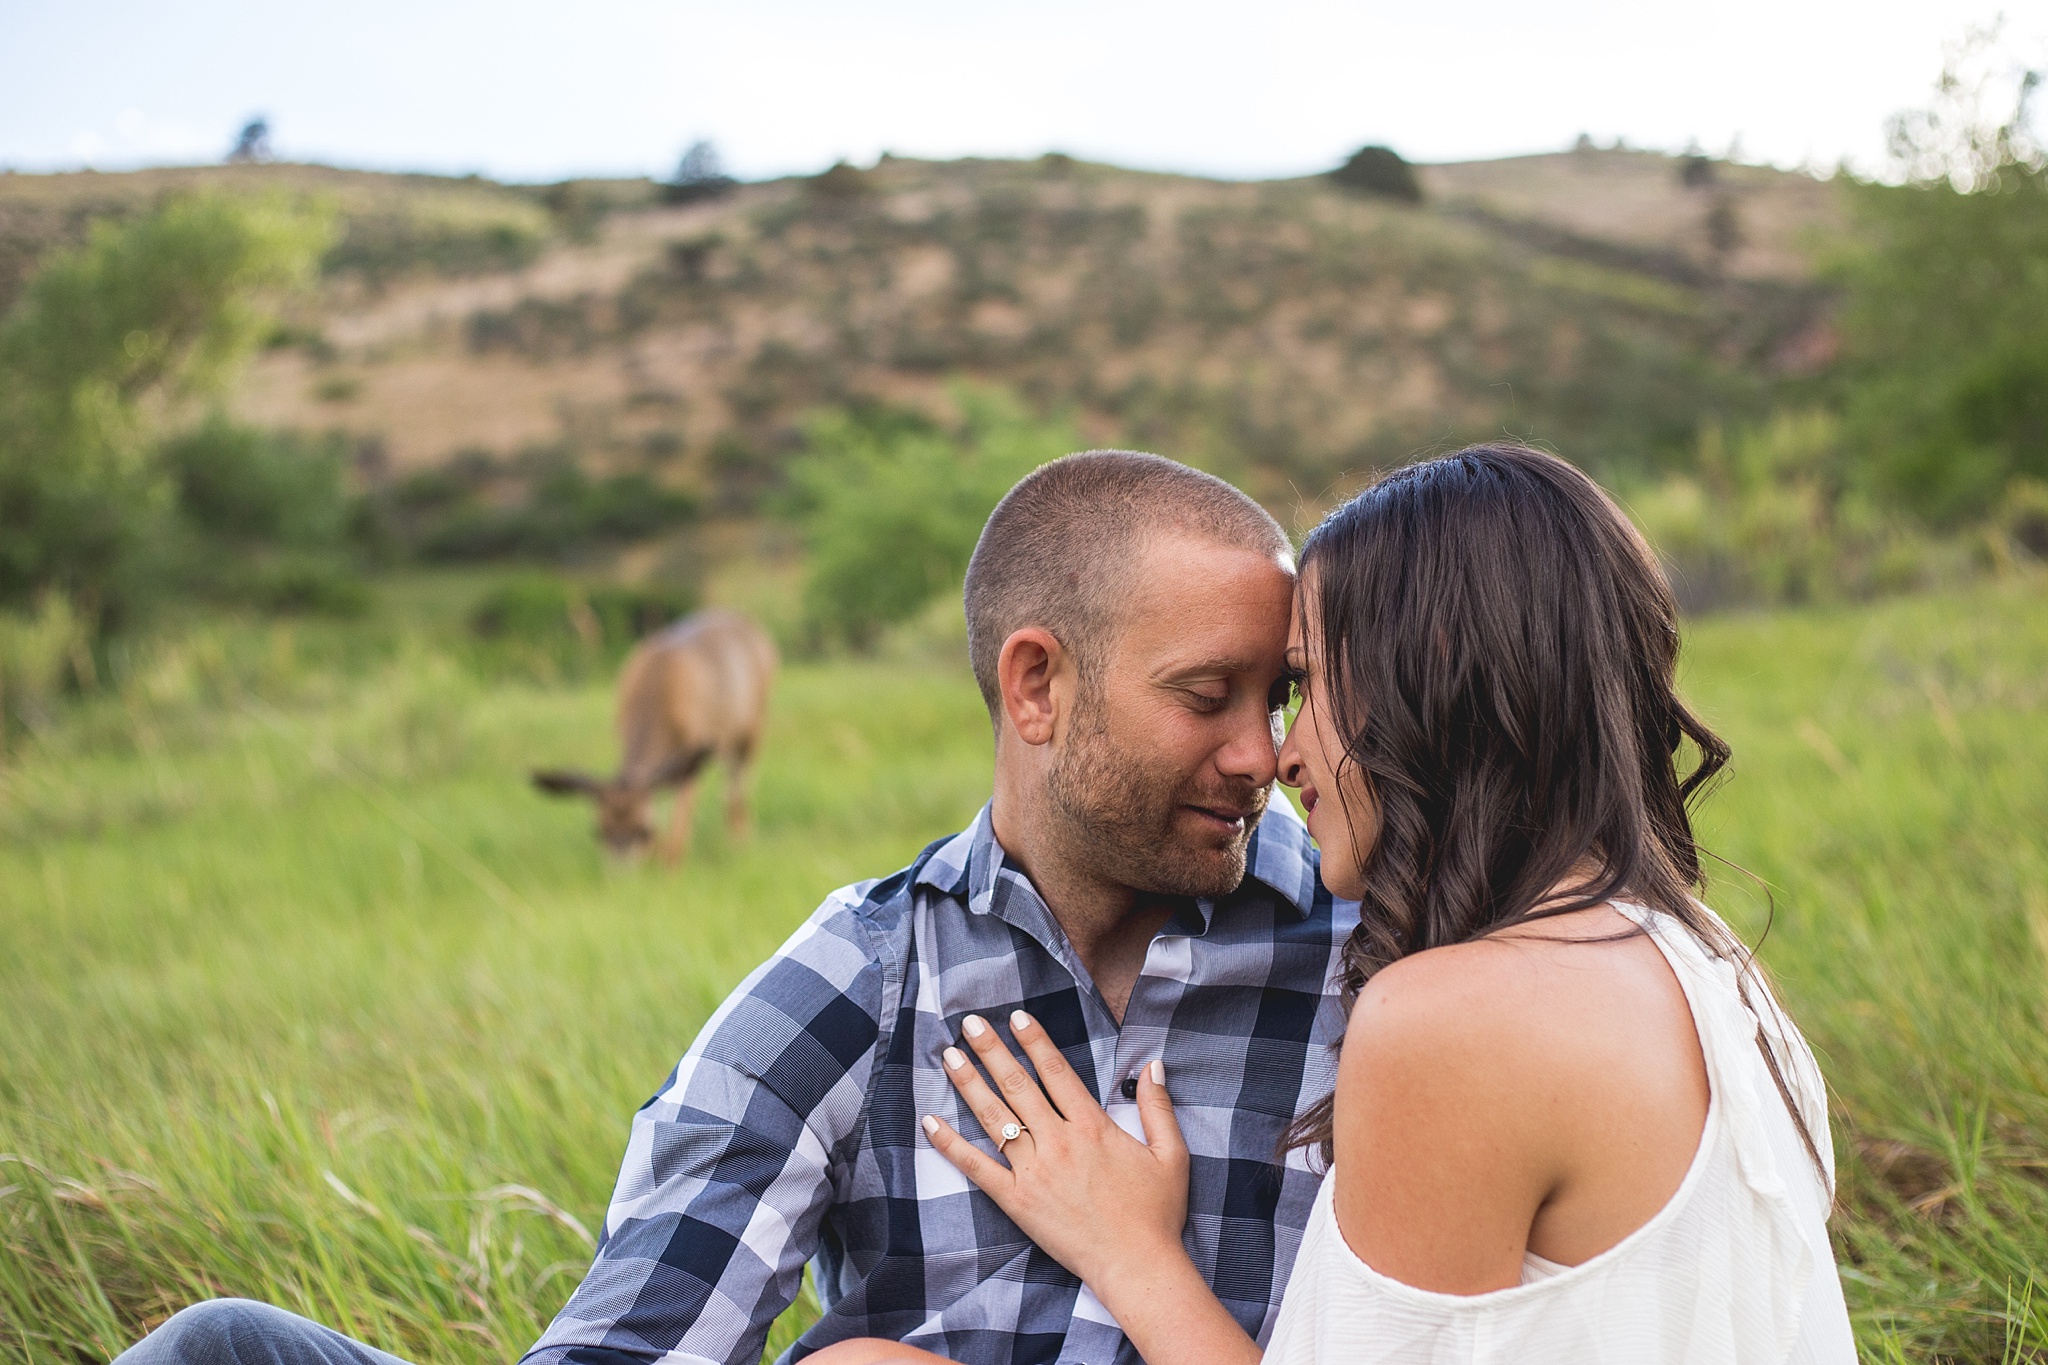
x=1103, y=1204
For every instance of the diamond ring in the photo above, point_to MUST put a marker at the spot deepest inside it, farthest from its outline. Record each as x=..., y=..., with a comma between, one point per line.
x=1010, y=1133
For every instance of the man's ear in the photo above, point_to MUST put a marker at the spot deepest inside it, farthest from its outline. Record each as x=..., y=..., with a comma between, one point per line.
x=1032, y=664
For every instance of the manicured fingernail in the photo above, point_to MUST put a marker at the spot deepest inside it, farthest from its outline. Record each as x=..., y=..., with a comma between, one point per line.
x=1158, y=1072
x=975, y=1028
x=931, y=1126
x=1019, y=1021
x=955, y=1058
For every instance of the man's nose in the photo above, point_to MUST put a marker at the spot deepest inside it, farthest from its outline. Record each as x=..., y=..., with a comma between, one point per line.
x=1251, y=752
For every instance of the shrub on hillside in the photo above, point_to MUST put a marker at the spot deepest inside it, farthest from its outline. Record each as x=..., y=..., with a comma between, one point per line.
x=2022, y=520
x=44, y=652
x=571, y=628
x=300, y=584
x=577, y=208
x=841, y=182
x=1379, y=171
x=1766, y=518
x=263, y=519
x=473, y=509
x=891, y=504
x=238, y=484
x=384, y=247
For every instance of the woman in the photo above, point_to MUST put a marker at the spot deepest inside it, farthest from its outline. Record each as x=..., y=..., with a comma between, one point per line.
x=1570, y=1122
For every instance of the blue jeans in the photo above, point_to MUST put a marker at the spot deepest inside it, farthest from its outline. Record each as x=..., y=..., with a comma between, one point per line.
x=242, y=1332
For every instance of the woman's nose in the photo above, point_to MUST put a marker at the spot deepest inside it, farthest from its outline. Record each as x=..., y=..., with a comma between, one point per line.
x=1290, y=762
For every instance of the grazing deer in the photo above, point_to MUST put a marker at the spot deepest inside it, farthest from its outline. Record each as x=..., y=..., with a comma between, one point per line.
x=694, y=691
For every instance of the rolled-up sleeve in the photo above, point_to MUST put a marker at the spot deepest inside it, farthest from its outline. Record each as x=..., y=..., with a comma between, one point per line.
x=730, y=1167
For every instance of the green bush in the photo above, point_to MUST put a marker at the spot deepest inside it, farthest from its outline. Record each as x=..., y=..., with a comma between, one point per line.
x=1768, y=516
x=1379, y=171
x=310, y=585
x=2022, y=520
x=105, y=341
x=237, y=484
x=475, y=510
x=841, y=183
x=42, y=654
x=564, y=513
x=572, y=629
x=383, y=247
x=1945, y=340
x=890, y=505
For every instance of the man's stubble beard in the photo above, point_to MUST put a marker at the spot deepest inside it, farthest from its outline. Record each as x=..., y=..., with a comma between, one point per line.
x=1121, y=817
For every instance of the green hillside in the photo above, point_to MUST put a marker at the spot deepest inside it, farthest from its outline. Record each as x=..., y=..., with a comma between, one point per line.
x=1287, y=333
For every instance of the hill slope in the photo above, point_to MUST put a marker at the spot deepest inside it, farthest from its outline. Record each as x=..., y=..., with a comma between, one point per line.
x=1285, y=332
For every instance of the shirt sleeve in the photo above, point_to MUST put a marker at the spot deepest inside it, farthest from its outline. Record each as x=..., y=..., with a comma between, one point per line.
x=729, y=1169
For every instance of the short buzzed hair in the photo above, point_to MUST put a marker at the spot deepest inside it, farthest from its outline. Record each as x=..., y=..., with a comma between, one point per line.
x=1059, y=549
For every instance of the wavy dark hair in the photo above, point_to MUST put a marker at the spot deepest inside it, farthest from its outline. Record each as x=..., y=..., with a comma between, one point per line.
x=1498, y=649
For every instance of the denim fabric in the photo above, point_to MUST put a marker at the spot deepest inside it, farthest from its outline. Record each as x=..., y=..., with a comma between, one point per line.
x=242, y=1332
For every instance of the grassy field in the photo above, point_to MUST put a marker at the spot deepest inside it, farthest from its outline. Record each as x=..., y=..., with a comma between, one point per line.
x=304, y=995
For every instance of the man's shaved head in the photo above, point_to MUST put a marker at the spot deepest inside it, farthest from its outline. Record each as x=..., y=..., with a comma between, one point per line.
x=1059, y=549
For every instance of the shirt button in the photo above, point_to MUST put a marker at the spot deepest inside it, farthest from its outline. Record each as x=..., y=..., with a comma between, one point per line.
x=1130, y=1087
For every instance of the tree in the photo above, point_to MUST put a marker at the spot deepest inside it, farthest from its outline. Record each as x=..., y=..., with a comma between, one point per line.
x=105, y=342
x=252, y=144
x=1379, y=171
x=1945, y=314
x=699, y=176
x=1979, y=127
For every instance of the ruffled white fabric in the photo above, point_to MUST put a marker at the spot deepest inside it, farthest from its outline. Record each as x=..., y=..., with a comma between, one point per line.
x=1734, y=1270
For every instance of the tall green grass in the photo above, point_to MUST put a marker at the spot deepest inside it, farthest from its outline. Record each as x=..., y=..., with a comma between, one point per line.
x=304, y=995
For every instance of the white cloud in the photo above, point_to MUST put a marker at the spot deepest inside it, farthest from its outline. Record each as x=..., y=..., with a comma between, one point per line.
x=139, y=139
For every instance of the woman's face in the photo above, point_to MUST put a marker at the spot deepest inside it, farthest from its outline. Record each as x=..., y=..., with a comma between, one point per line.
x=1342, y=816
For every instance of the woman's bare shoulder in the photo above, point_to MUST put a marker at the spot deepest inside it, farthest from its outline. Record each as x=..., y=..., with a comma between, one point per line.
x=1482, y=1086
x=1448, y=1099
x=1516, y=1013
x=1480, y=987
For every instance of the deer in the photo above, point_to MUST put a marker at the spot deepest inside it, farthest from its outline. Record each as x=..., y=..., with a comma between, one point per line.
x=693, y=691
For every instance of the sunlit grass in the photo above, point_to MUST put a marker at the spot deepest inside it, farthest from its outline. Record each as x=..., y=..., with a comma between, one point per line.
x=305, y=995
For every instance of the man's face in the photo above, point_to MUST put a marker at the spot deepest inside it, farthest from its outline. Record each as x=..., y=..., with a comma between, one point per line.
x=1165, y=770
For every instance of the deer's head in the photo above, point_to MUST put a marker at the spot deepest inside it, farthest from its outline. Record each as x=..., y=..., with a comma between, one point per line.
x=625, y=821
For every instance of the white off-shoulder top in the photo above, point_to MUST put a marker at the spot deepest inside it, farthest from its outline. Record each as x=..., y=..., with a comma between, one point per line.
x=1734, y=1270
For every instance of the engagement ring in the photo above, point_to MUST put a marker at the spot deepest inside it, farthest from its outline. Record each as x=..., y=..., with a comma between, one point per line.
x=1010, y=1133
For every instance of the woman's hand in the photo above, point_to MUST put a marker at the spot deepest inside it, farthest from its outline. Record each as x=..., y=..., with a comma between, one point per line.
x=1101, y=1203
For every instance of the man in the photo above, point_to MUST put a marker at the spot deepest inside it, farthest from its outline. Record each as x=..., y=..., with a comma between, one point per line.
x=1127, y=618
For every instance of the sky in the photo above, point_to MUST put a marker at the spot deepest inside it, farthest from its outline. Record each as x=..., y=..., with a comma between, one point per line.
x=525, y=91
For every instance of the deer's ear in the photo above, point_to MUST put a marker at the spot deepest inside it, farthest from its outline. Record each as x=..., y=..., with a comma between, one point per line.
x=565, y=782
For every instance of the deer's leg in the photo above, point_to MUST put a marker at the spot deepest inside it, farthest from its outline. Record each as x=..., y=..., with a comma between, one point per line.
x=681, y=816
x=739, y=777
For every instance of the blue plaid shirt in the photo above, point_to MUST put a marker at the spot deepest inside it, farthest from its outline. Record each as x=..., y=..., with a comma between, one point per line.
x=789, y=1133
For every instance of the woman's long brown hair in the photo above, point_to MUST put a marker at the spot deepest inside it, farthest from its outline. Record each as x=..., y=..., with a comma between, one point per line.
x=1498, y=649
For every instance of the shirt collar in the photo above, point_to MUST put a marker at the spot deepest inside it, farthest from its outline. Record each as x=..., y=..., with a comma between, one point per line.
x=969, y=866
